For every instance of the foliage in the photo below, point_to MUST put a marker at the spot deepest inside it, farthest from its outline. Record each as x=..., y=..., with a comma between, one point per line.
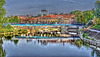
x=87, y=37
x=2, y=10
x=8, y=27
x=5, y=30
x=97, y=6
x=4, y=20
x=75, y=12
x=1, y=25
x=61, y=29
x=14, y=20
x=96, y=27
x=93, y=39
x=44, y=14
x=79, y=43
x=83, y=17
x=84, y=35
x=96, y=21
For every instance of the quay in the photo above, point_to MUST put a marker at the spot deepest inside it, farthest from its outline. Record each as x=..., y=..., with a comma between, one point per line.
x=95, y=43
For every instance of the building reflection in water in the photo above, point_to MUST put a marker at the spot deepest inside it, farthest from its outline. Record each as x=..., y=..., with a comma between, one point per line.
x=47, y=41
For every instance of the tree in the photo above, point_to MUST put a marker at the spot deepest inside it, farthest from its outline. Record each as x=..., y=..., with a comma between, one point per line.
x=8, y=27
x=5, y=20
x=88, y=15
x=83, y=17
x=2, y=10
x=75, y=12
x=97, y=6
x=96, y=21
x=14, y=20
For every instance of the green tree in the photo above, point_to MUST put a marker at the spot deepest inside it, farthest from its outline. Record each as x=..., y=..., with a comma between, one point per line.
x=97, y=21
x=2, y=10
x=14, y=20
x=88, y=15
x=5, y=20
x=8, y=27
x=97, y=6
x=83, y=17
x=75, y=12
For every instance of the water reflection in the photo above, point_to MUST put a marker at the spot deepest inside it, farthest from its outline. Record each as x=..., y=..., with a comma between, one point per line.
x=2, y=52
x=46, y=47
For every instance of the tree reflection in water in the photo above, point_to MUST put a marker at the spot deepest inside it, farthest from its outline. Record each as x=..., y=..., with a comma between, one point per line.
x=2, y=52
x=79, y=43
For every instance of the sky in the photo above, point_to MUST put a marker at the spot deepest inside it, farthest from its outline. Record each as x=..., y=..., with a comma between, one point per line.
x=34, y=7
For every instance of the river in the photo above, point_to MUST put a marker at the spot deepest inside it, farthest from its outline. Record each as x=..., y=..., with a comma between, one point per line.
x=35, y=47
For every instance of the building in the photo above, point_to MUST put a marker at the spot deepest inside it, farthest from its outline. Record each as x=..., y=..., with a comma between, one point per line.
x=44, y=12
x=23, y=18
x=49, y=19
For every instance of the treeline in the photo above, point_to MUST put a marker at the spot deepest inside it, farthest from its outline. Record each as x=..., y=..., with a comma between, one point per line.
x=83, y=16
x=6, y=29
x=9, y=20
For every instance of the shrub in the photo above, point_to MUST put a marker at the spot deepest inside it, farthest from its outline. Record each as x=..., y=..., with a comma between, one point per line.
x=84, y=35
x=87, y=37
x=8, y=27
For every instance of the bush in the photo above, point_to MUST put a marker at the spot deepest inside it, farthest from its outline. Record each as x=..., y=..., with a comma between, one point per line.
x=84, y=35
x=87, y=37
x=8, y=27
x=96, y=27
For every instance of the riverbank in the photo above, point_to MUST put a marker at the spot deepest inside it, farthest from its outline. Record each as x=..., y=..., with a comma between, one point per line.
x=90, y=37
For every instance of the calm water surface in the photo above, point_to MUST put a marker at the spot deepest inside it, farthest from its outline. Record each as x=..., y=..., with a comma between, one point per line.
x=33, y=47
x=24, y=7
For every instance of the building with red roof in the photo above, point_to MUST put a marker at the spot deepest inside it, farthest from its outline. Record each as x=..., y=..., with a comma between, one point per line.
x=63, y=18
